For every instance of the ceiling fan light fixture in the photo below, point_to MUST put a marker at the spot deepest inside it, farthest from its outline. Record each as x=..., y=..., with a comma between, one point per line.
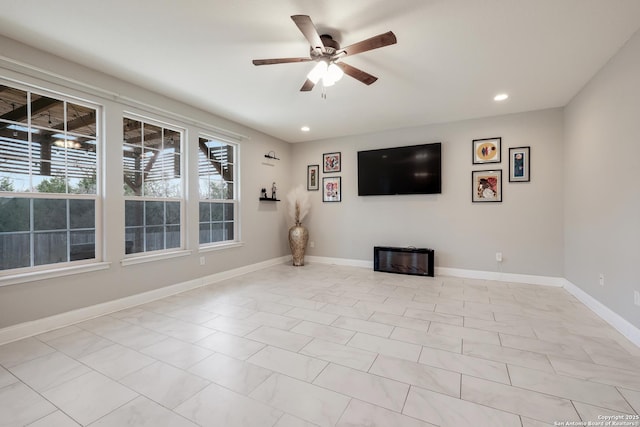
x=333, y=74
x=318, y=72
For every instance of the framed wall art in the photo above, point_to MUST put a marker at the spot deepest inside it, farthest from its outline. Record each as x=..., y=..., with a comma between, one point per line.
x=331, y=189
x=313, y=183
x=486, y=150
x=486, y=186
x=331, y=162
x=519, y=164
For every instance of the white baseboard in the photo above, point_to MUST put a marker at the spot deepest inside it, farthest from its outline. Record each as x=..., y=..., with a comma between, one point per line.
x=605, y=313
x=501, y=277
x=35, y=327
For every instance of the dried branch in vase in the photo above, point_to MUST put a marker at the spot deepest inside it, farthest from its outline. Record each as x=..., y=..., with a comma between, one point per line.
x=298, y=204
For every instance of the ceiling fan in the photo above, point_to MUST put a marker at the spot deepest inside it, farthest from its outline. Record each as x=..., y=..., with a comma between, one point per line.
x=327, y=52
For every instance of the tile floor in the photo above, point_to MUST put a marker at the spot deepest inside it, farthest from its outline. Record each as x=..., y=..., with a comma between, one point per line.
x=329, y=346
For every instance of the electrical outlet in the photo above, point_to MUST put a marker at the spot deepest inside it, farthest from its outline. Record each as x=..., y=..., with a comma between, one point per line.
x=499, y=256
x=601, y=279
x=636, y=298
x=312, y=244
x=203, y=261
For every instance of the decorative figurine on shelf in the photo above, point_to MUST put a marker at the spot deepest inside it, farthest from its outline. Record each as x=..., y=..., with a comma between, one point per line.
x=273, y=191
x=263, y=193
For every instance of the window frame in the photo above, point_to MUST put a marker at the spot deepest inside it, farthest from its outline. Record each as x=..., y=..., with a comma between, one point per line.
x=181, y=250
x=37, y=272
x=235, y=201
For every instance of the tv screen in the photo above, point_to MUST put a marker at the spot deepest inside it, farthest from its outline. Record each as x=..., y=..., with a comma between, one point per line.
x=414, y=169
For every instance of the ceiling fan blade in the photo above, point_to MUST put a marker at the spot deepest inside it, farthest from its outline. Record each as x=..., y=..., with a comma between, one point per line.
x=357, y=73
x=381, y=40
x=279, y=61
x=307, y=86
x=307, y=28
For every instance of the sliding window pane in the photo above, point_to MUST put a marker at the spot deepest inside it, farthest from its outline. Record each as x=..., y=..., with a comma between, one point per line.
x=132, y=167
x=172, y=237
x=132, y=132
x=50, y=248
x=13, y=104
x=14, y=215
x=81, y=120
x=14, y=148
x=14, y=157
x=152, y=138
x=172, y=140
x=154, y=188
x=83, y=181
x=217, y=232
x=133, y=213
x=173, y=187
x=154, y=213
x=217, y=212
x=154, y=237
x=205, y=211
x=49, y=214
x=205, y=232
x=82, y=245
x=15, y=249
x=82, y=214
x=172, y=212
x=228, y=212
x=134, y=240
x=49, y=177
x=228, y=230
x=47, y=112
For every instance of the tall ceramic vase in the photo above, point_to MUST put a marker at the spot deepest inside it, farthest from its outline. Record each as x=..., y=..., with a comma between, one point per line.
x=298, y=237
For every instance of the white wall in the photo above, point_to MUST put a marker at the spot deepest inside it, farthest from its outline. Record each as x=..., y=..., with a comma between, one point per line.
x=263, y=224
x=602, y=177
x=526, y=227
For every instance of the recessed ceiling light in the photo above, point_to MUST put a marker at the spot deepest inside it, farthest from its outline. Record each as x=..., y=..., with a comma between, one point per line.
x=500, y=97
x=305, y=128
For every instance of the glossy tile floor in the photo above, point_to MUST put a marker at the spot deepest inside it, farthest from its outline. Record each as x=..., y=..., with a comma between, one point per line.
x=329, y=346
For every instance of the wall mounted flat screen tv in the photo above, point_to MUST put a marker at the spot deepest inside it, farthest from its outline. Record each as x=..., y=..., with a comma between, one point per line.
x=414, y=169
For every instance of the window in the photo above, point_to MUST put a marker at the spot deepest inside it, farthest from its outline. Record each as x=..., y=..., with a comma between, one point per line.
x=48, y=180
x=217, y=185
x=153, y=186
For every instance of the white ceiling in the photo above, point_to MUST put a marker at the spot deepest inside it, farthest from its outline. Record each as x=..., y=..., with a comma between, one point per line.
x=452, y=56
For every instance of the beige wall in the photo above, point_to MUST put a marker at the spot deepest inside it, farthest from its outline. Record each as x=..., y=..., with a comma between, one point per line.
x=263, y=226
x=526, y=227
x=602, y=174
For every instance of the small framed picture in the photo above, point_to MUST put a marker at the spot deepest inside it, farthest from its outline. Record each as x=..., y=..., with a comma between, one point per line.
x=519, y=164
x=312, y=177
x=331, y=189
x=331, y=162
x=486, y=150
x=486, y=186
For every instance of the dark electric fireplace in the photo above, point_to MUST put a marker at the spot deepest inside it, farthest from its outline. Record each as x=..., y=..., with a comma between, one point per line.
x=416, y=261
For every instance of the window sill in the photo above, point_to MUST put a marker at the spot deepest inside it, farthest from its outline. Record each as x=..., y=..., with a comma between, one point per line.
x=50, y=274
x=140, y=259
x=220, y=247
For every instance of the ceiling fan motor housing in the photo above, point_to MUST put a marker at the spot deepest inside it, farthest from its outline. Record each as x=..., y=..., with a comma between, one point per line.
x=330, y=46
